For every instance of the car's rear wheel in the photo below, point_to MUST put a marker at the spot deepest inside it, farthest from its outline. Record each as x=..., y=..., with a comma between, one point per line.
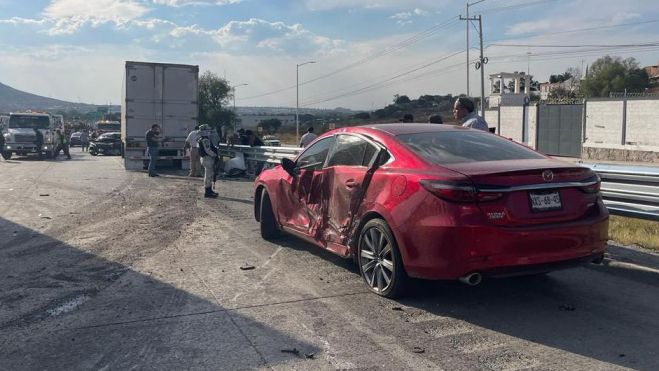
x=269, y=229
x=379, y=260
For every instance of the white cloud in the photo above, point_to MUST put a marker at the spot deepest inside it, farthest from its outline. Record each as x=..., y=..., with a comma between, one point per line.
x=320, y=5
x=404, y=18
x=22, y=21
x=180, y=3
x=68, y=16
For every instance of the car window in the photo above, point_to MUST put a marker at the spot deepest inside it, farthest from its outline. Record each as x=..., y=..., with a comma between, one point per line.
x=450, y=147
x=314, y=156
x=351, y=150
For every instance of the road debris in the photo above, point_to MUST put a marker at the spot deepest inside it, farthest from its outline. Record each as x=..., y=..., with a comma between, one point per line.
x=246, y=267
x=397, y=308
x=44, y=216
x=418, y=350
x=291, y=351
x=567, y=308
x=44, y=194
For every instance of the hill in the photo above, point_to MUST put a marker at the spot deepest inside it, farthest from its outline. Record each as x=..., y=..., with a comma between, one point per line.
x=13, y=100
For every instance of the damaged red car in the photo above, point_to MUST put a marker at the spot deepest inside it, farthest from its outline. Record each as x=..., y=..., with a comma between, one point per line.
x=434, y=202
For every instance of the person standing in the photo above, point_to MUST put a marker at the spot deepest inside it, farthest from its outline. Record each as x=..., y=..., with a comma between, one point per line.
x=192, y=142
x=84, y=141
x=153, y=146
x=38, y=142
x=62, y=144
x=208, y=154
x=464, y=112
x=308, y=137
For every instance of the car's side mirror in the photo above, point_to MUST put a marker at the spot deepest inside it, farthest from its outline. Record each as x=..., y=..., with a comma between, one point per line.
x=289, y=166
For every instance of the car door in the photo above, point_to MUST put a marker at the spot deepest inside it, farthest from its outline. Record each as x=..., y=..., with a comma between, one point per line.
x=304, y=212
x=345, y=174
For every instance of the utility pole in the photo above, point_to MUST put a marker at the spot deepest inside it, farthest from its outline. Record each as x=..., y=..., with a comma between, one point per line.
x=482, y=60
x=468, y=46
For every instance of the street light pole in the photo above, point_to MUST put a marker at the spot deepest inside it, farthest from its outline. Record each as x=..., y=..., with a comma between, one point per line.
x=297, y=99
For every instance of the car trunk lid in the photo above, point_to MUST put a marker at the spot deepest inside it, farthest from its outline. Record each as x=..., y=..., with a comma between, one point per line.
x=527, y=192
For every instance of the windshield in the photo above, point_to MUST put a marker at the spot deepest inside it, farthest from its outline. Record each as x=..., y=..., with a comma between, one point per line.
x=109, y=126
x=29, y=122
x=110, y=136
x=450, y=147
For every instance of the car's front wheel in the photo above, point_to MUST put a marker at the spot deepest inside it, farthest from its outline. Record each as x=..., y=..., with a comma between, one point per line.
x=269, y=229
x=6, y=155
x=379, y=260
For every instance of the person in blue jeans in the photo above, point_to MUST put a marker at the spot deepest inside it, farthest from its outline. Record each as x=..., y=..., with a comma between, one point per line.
x=153, y=145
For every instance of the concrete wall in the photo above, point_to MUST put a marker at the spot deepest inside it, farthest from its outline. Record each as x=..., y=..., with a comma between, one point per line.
x=604, y=124
x=624, y=129
x=492, y=118
x=642, y=123
x=512, y=120
x=512, y=123
x=532, y=125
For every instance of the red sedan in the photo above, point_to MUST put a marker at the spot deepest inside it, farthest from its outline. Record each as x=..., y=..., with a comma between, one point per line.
x=434, y=202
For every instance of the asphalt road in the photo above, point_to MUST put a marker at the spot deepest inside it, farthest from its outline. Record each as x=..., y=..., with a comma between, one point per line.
x=106, y=269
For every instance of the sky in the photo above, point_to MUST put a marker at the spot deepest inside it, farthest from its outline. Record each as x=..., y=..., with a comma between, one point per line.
x=365, y=51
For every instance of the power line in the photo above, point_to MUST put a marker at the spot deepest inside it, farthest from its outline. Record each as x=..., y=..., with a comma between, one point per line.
x=387, y=50
x=654, y=43
x=358, y=91
x=514, y=6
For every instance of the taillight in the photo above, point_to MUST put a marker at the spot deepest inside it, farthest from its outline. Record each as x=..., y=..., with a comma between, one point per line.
x=458, y=191
x=593, y=188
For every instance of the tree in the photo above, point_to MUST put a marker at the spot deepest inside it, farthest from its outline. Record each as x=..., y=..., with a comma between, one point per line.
x=363, y=116
x=522, y=83
x=614, y=74
x=270, y=125
x=214, y=95
x=402, y=99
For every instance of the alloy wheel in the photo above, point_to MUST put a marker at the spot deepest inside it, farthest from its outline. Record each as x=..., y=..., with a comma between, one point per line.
x=377, y=259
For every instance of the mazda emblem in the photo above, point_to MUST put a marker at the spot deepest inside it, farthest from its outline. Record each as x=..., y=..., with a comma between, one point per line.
x=547, y=175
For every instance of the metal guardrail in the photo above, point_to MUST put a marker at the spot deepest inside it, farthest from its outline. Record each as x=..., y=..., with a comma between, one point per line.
x=631, y=191
x=269, y=155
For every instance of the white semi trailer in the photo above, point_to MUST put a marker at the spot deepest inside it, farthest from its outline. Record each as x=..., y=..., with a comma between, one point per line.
x=163, y=94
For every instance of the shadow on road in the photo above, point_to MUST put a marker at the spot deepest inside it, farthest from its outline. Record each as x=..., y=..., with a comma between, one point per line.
x=595, y=311
x=64, y=308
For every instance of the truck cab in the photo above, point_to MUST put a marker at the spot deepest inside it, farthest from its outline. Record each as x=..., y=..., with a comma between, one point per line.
x=20, y=137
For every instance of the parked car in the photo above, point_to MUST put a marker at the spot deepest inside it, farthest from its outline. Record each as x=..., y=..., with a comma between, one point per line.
x=434, y=202
x=271, y=141
x=106, y=144
x=75, y=139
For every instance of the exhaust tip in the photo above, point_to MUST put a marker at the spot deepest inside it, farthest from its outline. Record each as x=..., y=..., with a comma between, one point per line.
x=471, y=279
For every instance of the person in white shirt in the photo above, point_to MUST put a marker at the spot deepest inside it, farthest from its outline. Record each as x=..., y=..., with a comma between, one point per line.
x=192, y=142
x=308, y=137
x=464, y=112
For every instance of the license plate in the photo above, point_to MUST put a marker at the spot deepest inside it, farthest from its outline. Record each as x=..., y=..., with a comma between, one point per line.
x=545, y=201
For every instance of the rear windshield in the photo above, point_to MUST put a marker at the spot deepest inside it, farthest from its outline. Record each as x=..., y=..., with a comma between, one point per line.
x=29, y=122
x=451, y=147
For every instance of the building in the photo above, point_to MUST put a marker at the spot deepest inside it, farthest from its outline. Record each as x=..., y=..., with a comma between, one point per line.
x=547, y=87
x=653, y=74
x=500, y=94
